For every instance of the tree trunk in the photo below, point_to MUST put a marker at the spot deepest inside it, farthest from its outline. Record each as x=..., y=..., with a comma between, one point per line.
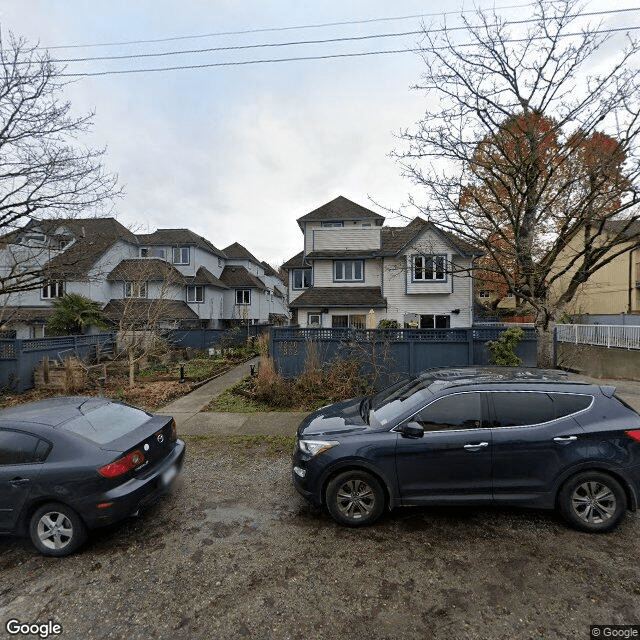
x=132, y=367
x=545, y=333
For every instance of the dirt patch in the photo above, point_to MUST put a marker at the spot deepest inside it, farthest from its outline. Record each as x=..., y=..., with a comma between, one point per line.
x=234, y=552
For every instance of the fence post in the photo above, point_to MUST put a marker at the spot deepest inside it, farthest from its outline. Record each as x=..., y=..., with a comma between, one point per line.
x=470, y=342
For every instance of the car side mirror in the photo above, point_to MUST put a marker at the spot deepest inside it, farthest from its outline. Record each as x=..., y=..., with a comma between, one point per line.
x=412, y=430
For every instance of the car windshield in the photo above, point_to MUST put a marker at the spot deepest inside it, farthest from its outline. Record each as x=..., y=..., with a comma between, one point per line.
x=107, y=422
x=395, y=400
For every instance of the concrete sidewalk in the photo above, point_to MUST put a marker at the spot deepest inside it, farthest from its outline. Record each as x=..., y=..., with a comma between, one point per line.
x=191, y=420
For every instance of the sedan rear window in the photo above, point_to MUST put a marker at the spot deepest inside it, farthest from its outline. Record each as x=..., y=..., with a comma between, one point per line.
x=107, y=422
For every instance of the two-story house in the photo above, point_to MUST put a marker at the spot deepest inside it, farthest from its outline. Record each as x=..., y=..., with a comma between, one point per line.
x=355, y=272
x=172, y=275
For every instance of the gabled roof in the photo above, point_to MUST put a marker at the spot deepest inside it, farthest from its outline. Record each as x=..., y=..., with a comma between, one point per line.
x=340, y=209
x=139, y=310
x=236, y=251
x=234, y=277
x=396, y=239
x=174, y=237
x=297, y=262
x=205, y=277
x=360, y=297
x=146, y=269
x=92, y=237
x=269, y=270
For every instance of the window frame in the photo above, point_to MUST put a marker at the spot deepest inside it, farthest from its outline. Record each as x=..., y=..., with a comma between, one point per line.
x=150, y=252
x=195, y=299
x=424, y=268
x=133, y=289
x=352, y=262
x=46, y=291
x=314, y=315
x=332, y=224
x=243, y=303
x=180, y=250
x=301, y=270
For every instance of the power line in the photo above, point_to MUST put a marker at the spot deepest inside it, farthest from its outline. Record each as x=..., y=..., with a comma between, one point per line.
x=321, y=41
x=289, y=28
x=307, y=58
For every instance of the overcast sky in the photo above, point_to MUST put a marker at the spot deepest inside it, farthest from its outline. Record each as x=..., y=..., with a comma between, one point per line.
x=238, y=153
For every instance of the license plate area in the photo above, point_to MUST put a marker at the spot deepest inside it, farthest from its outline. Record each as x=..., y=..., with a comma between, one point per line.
x=168, y=475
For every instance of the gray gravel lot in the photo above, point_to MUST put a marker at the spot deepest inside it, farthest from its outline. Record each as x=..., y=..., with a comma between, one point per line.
x=233, y=552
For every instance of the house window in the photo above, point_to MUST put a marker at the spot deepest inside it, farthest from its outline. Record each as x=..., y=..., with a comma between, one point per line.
x=435, y=322
x=333, y=224
x=485, y=293
x=243, y=296
x=356, y=321
x=348, y=271
x=180, y=255
x=152, y=252
x=195, y=293
x=135, y=289
x=54, y=289
x=301, y=278
x=313, y=320
x=429, y=268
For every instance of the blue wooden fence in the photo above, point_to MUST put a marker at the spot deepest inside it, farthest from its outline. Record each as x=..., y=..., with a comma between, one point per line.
x=207, y=338
x=395, y=352
x=19, y=358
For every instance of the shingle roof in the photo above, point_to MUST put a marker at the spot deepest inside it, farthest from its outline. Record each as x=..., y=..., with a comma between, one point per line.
x=370, y=297
x=239, y=252
x=15, y=315
x=269, y=270
x=146, y=269
x=297, y=262
x=204, y=276
x=139, y=310
x=628, y=228
x=340, y=209
x=92, y=238
x=174, y=237
x=234, y=276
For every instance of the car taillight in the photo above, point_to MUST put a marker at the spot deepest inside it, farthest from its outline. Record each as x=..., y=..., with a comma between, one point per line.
x=118, y=467
x=635, y=434
x=174, y=430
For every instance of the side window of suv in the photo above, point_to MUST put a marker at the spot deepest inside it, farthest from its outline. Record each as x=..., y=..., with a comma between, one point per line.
x=516, y=408
x=17, y=447
x=457, y=411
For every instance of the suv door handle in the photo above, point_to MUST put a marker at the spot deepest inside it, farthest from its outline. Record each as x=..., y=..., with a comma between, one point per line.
x=476, y=447
x=565, y=438
x=18, y=482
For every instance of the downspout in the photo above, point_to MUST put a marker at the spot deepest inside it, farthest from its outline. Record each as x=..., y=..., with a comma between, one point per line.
x=631, y=282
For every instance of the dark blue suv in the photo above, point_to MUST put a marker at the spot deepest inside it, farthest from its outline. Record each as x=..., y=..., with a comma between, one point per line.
x=525, y=437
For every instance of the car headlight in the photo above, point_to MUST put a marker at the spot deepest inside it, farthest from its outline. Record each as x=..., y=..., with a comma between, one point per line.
x=316, y=447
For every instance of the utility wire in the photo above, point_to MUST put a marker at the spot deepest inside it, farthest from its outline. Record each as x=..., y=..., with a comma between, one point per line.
x=290, y=28
x=307, y=58
x=322, y=41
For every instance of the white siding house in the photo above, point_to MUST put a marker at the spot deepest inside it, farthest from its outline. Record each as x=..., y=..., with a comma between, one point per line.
x=353, y=271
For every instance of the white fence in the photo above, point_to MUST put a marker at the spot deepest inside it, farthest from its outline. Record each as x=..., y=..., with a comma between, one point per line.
x=603, y=335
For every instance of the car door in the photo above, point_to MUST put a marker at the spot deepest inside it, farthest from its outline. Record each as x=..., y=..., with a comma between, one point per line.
x=451, y=462
x=21, y=456
x=534, y=440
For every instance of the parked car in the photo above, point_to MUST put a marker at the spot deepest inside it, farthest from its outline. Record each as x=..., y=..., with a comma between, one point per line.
x=470, y=435
x=70, y=464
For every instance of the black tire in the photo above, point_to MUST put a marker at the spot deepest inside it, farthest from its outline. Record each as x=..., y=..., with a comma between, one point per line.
x=56, y=530
x=355, y=498
x=592, y=501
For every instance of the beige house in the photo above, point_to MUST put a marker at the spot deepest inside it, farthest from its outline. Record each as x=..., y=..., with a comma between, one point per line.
x=613, y=289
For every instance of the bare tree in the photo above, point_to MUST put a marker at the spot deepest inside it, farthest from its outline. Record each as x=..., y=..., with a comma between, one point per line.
x=529, y=149
x=44, y=171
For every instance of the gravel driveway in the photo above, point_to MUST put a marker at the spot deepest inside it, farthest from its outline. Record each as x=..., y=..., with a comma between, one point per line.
x=235, y=553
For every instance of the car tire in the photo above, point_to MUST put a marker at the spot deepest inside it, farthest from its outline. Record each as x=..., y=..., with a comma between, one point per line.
x=56, y=530
x=355, y=498
x=592, y=501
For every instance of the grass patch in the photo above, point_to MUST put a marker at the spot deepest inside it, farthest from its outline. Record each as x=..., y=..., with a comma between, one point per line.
x=230, y=401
